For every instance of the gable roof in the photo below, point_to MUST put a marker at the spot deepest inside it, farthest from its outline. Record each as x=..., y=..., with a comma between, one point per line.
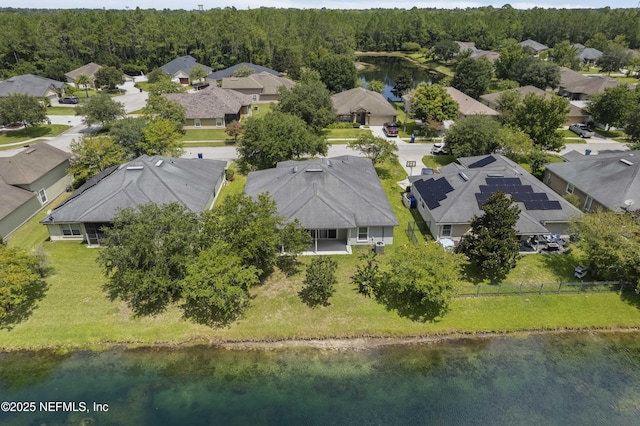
x=31, y=163
x=589, y=54
x=359, y=99
x=182, y=64
x=538, y=47
x=212, y=102
x=610, y=178
x=268, y=84
x=89, y=69
x=160, y=180
x=29, y=84
x=228, y=72
x=492, y=99
x=339, y=192
x=457, y=193
x=573, y=82
x=469, y=106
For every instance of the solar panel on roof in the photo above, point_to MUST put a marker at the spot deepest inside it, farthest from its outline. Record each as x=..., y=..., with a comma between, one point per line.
x=433, y=191
x=482, y=162
x=494, y=180
x=552, y=205
x=540, y=196
x=512, y=181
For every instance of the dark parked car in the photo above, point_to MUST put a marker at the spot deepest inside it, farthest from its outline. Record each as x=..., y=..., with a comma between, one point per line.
x=200, y=86
x=427, y=171
x=390, y=129
x=69, y=100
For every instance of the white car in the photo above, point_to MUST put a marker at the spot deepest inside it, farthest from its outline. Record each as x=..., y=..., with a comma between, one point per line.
x=439, y=149
x=581, y=130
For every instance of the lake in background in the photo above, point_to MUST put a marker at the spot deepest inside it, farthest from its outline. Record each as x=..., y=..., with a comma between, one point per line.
x=387, y=68
x=561, y=379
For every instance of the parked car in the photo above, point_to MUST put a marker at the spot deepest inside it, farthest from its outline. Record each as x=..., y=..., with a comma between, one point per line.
x=439, y=149
x=581, y=130
x=69, y=100
x=427, y=171
x=390, y=129
x=200, y=86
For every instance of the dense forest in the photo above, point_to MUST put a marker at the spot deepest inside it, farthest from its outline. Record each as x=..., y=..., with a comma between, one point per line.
x=52, y=42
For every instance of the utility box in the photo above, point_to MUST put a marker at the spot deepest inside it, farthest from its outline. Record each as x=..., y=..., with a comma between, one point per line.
x=380, y=247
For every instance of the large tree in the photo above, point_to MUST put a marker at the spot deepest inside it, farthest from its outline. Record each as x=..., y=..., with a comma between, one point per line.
x=161, y=137
x=611, y=243
x=109, y=78
x=145, y=255
x=83, y=80
x=403, y=83
x=129, y=133
x=632, y=128
x=493, y=244
x=614, y=58
x=472, y=76
x=277, y=137
x=320, y=281
x=422, y=282
x=101, y=109
x=539, y=117
x=24, y=109
x=612, y=106
x=473, y=135
x=564, y=55
x=197, y=73
x=311, y=101
x=445, y=49
x=432, y=102
x=92, y=154
x=337, y=72
x=378, y=149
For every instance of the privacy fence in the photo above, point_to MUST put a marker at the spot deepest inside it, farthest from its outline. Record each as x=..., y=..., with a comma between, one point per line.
x=550, y=288
x=414, y=228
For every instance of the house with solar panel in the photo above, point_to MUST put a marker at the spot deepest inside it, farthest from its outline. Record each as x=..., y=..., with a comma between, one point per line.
x=449, y=200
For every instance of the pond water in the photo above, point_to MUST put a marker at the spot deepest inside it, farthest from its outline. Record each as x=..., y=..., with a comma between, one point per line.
x=387, y=68
x=582, y=379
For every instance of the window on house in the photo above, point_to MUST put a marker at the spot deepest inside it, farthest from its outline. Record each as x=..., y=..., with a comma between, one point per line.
x=70, y=229
x=43, y=196
x=446, y=230
x=587, y=203
x=344, y=118
x=254, y=98
x=363, y=233
x=196, y=122
x=548, y=178
x=570, y=188
x=218, y=122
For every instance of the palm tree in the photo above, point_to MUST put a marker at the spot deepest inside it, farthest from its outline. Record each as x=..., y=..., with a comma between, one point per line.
x=85, y=80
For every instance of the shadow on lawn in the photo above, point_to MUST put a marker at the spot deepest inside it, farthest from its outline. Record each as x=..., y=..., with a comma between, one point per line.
x=630, y=297
x=408, y=307
x=15, y=314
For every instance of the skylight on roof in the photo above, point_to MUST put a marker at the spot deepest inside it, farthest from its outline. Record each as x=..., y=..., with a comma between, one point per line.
x=314, y=170
x=627, y=162
x=135, y=167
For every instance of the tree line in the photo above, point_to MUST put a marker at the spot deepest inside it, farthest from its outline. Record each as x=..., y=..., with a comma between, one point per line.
x=53, y=42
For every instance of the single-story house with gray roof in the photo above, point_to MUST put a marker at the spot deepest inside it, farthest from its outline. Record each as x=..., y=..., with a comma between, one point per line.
x=180, y=68
x=363, y=106
x=262, y=87
x=339, y=200
x=32, y=85
x=29, y=181
x=533, y=45
x=194, y=183
x=216, y=76
x=578, y=87
x=89, y=69
x=212, y=107
x=468, y=106
x=449, y=200
x=604, y=181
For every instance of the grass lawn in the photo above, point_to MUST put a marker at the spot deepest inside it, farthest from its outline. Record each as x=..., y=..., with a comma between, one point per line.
x=45, y=130
x=436, y=161
x=205, y=135
x=263, y=109
x=614, y=134
x=345, y=133
x=60, y=110
x=574, y=140
x=75, y=312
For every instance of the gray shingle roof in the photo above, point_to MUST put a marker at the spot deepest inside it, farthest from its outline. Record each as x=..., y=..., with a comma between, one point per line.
x=29, y=84
x=589, y=54
x=590, y=85
x=340, y=192
x=460, y=205
x=212, y=102
x=144, y=180
x=604, y=177
x=361, y=99
x=228, y=72
x=268, y=84
x=184, y=64
x=538, y=47
x=492, y=99
x=31, y=164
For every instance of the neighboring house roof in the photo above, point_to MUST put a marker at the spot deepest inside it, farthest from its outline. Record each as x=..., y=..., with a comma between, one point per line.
x=90, y=69
x=183, y=64
x=457, y=193
x=475, y=52
x=212, y=102
x=610, y=179
x=160, y=180
x=469, y=106
x=267, y=84
x=589, y=54
x=573, y=82
x=12, y=197
x=577, y=46
x=492, y=99
x=228, y=72
x=340, y=192
x=31, y=164
x=29, y=84
x=360, y=99
x=466, y=45
x=538, y=47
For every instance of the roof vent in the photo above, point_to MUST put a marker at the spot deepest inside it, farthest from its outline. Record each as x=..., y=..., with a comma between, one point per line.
x=135, y=167
x=159, y=163
x=295, y=169
x=627, y=162
x=495, y=175
x=463, y=176
x=313, y=170
x=30, y=150
x=329, y=163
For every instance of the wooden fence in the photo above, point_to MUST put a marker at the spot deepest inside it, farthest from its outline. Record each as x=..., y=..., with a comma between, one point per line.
x=551, y=288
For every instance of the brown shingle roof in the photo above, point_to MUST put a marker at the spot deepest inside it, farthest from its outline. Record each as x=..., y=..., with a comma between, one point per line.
x=362, y=99
x=90, y=69
x=212, y=102
x=269, y=83
x=31, y=164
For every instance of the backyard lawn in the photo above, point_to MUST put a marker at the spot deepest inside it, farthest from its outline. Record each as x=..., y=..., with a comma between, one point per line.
x=76, y=313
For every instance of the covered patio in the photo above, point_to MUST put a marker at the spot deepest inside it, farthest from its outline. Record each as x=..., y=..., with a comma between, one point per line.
x=324, y=246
